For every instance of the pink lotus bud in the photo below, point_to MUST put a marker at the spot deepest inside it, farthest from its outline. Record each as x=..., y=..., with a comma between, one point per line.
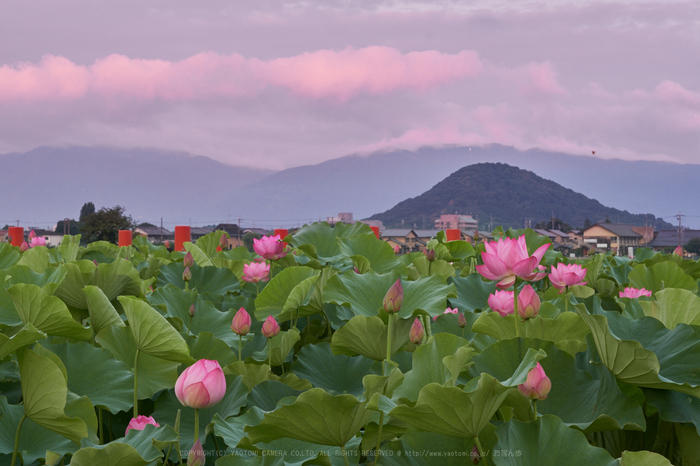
x=476, y=457
x=241, y=322
x=429, y=254
x=196, y=456
x=678, y=251
x=537, y=385
x=269, y=247
x=95, y=262
x=528, y=302
x=507, y=259
x=449, y=310
x=502, y=302
x=256, y=272
x=191, y=311
x=634, y=293
x=139, y=422
x=394, y=298
x=24, y=246
x=397, y=249
x=356, y=270
x=461, y=320
x=223, y=241
x=187, y=275
x=32, y=235
x=565, y=276
x=166, y=243
x=188, y=260
x=417, y=332
x=201, y=385
x=270, y=327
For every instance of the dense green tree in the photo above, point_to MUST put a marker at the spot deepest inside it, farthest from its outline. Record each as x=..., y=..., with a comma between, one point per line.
x=104, y=225
x=74, y=227
x=248, y=240
x=86, y=210
x=146, y=224
x=693, y=246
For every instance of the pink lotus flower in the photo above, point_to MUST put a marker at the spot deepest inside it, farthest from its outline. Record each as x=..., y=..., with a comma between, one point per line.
x=537, y=385
x=196, y=456
x=528, y=302
x=397, y=249
x=634, y=293
x=32, y=235
x=461, y=320
x=139, y=422
x=507, y=258
x=223, y=241
x=35, y=240
x=24, y=246
x=502, y=302
x=241, y=322
x=564, y=276
x=678, y=251
x=429, y=254
x=417, y=332
x=256, y=272
x=448, y=311
x=270, y=327
x=188, y=260
x=269, y=247
x=393, y=300
x=201, y=385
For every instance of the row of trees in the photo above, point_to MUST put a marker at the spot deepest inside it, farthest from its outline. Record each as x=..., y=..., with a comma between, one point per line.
x=100, y=225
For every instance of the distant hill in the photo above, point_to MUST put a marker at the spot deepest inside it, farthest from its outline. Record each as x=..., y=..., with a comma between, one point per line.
x=509, y=195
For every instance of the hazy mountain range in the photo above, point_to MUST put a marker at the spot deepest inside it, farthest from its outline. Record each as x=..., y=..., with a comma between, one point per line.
x=47, y=184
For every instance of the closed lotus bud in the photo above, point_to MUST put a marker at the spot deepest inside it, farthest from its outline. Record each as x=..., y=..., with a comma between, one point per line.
x=191, y=311
x=417, y=332
x=429, y=254
x=394, y=298
x=201, y=385
x=241, y=322
x=476, y=457
x=270, y=327
x=196, y=456
x=528, y=303
x=537, y=385
x=678, y=251
x=188, y=261
x=24, y=246
x=187, y=275
x=32, y=235
x=223, y=241
x=461, y=320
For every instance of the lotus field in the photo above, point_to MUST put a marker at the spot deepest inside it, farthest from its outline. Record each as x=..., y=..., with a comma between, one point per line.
x=325, y=347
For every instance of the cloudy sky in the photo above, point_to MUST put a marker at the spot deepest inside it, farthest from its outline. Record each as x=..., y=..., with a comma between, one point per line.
x=278, y=84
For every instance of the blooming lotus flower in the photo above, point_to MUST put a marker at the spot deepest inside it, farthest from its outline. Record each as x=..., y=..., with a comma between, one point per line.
x=394, y=298
x=256, y=272
x=37, y=241
x=678, y=251
x=241, y=322
x=507, y=258
x=528, y=302
x=634, y=293
x=24, y=246
x=201, y=385
x=186, y=275
x=502, y=302
x=461, y=320
x=565, y=276
x=139, y=422
x=270, y=327
x=417, y=332
x=188, y=260
x=269, y=247
x=448, y=311
x=196, y=455
x=537, y=385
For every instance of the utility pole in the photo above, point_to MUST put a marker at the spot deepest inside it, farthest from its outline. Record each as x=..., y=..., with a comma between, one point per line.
x=239, y=230
x=161, y=230
x=680, y=230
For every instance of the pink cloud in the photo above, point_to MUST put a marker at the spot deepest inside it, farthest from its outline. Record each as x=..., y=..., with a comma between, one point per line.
x=673, y=93
x=324, y=74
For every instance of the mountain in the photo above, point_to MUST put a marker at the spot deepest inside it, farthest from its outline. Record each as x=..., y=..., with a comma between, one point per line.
x=48, y=184
x=510, y=195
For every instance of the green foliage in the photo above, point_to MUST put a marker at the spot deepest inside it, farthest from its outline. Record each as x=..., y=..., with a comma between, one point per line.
x=104, y=225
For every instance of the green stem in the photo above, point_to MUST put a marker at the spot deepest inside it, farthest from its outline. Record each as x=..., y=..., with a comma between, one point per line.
x=388, y=341
x=345, y=455
x=670, y=446
x=102, y=429
x=136, y=384
x=216, y=444
x=19, y=427
x=196, y=425
x=566, y=301
x=481, y=450
x=269, y=353
x=257, y=288
x=240, y=337
x=187, y=286
x=515, y=308
x=534, y=409
x=379, y=437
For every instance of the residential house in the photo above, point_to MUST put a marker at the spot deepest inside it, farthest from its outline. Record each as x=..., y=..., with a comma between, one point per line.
x=343, y=217
x=410, y=240
x=155, y=234
x=457, y=221
x=613, y=236
x=4, y=236
x=552, y=237
x=559, y=236
x=667, y=239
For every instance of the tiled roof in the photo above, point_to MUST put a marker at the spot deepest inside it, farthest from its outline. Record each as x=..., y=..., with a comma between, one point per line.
x=620, y=229
x=668, y=238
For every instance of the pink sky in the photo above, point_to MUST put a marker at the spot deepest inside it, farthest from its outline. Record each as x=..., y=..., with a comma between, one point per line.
x=275, y=85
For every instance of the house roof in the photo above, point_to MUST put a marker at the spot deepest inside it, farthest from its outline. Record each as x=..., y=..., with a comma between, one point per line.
x=260, y=231
x=559, y=233
x=668, y=238
x=230, y=228
x=620, y=229
x=200, y=231
x=155, y=231
x=426, y=233
x=396, y=232
x=545, y=233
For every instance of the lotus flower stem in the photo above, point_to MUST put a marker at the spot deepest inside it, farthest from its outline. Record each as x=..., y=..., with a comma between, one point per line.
x=216, y=443
x=136, y=384
x=19, y=428
x=269, y=353
x=534, y=409
x=102, y=429
x=345, y=455
x=566, y=302
x=388, y=342
x=379, y=437
x=481, y=450
x=196, y=425
x=240, y=338
x=515, y=308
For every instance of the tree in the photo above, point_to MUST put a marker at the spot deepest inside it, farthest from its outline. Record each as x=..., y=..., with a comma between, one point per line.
x=104, y=225
x=74, y=227
x=693, y=246
x=248, y=240
x=146, y=224
x=86, y=210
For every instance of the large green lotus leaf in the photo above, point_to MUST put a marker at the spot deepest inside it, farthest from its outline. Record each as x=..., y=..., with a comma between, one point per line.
x=9, y=255
x=209, y=242
x=567, y=330
x=26, y=335
x=251, y=374
x=176, y=300
x=45, y=392
x=214, y=280
x=689, y=443
x=293, y=283
x=590, y=402
x=316, y=417
x=472, y=292
x=47, y=313
x=206, y=346
x=324, y=238
x=437, y=267
x=675, y=406
x=643, y=458
x=337, y=374
x=34, y=440
x=152, y=333
x=250, y=459
x=95, y=373
x=78, y=275
x=282, y=344
x=112, y=454
x=167, y=405
x=448, y=323
x=429, y=365
x=8, y=313
x=267, y=394
x=36, y=258
x=200, y=257
x=143, y=441
x=645, y=353
x=618, y=273
x=660, y=276
x=155, y=374
x=231, y=429
x=48, y=280
x=546, y=441
x=674, y=306
x=453, y=411
x=380, y=254
x=118, y=278
x=102, y=313
x=367, y=336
